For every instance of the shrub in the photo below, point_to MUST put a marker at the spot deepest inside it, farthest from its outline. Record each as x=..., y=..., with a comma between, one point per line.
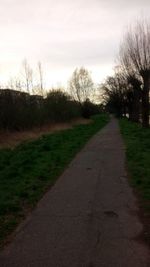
x=89, y=109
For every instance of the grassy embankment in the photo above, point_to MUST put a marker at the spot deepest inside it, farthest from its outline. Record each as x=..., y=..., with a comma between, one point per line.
x=137, y=140
x=28, y=170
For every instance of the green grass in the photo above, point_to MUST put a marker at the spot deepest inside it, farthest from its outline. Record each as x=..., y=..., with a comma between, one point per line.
x=27, y=171
x=137, y=141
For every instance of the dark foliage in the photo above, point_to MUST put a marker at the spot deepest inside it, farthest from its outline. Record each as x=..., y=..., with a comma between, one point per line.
x=88, y=109
x=19, y=110
x=59, y=107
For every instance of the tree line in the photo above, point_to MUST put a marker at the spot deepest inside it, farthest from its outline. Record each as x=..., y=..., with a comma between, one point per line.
x=22, y=110
x=127, y=92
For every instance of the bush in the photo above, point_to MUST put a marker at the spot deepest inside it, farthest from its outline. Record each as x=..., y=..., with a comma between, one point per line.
x=89, y=109
x=60, y=107
x=19, y=110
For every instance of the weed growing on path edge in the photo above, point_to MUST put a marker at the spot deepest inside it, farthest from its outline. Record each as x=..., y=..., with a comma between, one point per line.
x=28, y=170
x=137, y=141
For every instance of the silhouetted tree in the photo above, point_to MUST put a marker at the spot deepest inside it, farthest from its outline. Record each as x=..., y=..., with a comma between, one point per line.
x=28, y=76
x=135, y=93
x=115, y=97
x=135, y=56
x=40, y=74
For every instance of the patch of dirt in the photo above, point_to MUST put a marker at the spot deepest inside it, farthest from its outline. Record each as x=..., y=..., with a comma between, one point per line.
x=11, y=139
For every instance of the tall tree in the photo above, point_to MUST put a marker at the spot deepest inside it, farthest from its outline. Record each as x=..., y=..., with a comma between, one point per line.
x=135, y=55
x=81, y=86
x=115, y=96
x=28, y=76
x=135, y=91
x=40, y=72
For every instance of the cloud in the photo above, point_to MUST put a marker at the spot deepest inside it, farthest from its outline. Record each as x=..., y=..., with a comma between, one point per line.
x=65, y=33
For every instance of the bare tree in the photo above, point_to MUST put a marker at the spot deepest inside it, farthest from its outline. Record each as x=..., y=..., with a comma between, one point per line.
x=28, y=76
x=15, y=84
x=115, y=94
x=40, y=74
x=135, y=56
x=133, y=89
x=81, y=86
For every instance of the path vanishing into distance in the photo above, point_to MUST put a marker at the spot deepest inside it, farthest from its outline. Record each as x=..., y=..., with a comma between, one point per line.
x=88, y=218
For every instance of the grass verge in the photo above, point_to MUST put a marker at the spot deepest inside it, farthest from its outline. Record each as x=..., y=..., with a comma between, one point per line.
x=137, y=141
x=28, y=170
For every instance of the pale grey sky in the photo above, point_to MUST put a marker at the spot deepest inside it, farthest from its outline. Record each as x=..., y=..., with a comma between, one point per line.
x=64, y=34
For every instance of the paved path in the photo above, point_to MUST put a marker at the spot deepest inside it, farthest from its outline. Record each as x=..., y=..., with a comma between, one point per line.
x=88, y=219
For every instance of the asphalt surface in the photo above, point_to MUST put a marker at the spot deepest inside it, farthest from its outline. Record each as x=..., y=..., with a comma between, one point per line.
x=88, y=219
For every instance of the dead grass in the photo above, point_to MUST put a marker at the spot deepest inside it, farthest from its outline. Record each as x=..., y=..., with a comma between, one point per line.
x=11, y=139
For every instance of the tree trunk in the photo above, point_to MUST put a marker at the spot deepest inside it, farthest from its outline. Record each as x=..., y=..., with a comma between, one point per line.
x=130, y=110
x=145, y=102
x=136, y=105
x=130, y=104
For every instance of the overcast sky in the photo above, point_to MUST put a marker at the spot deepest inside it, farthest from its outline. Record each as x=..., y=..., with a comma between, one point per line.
x=64, y=34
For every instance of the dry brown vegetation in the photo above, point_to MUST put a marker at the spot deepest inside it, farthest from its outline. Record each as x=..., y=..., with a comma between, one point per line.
x=10, y=139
